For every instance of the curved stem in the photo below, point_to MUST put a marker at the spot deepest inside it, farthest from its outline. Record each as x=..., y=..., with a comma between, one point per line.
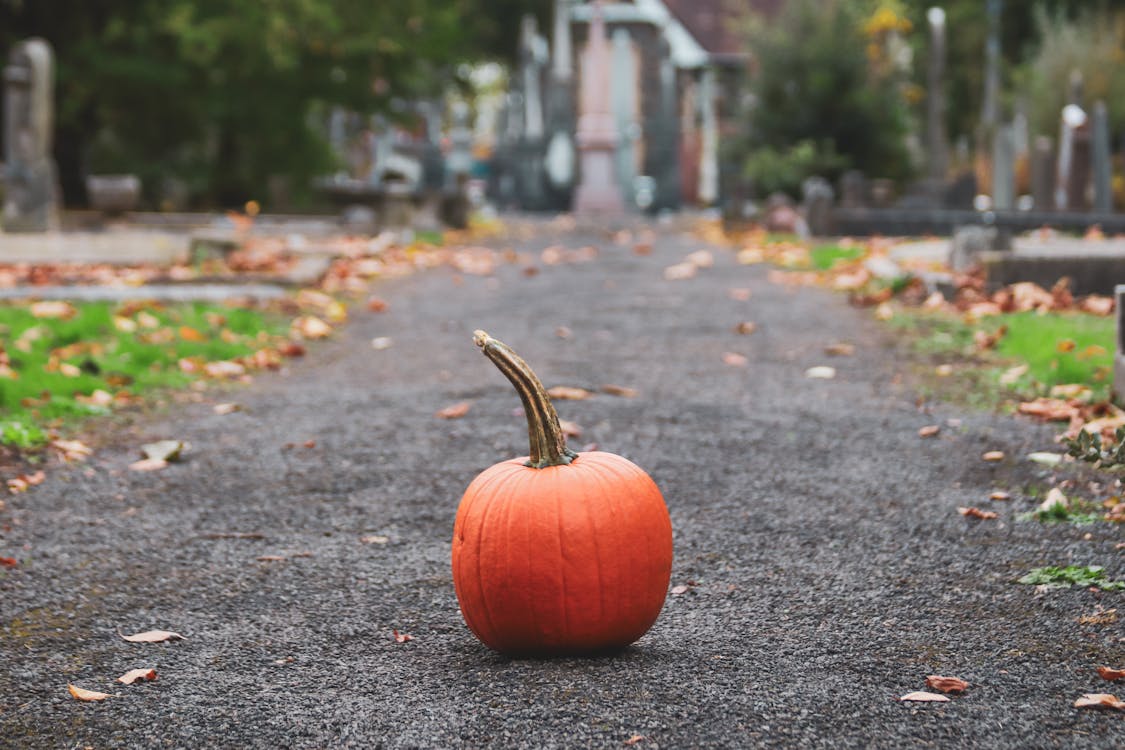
x=548, y=443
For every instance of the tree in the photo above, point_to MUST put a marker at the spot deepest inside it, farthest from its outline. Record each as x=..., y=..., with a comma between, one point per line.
x=220, y=92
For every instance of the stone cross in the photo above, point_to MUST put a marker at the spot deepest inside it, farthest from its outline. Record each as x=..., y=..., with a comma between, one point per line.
x=935, y=102
x=598, y=191
x=1102, y=166
x=31, y=198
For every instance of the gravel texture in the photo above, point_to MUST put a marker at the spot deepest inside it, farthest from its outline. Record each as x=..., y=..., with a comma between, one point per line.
x=828, y=569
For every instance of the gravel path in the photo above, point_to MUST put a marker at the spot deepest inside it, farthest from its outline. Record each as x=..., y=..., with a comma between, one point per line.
x=828, y=570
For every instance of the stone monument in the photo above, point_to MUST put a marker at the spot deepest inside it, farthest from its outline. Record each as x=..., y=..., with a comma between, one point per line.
x=598, y=192
x=1102, y=160
x=560, y=160
x=936, y=146
x=31, y=196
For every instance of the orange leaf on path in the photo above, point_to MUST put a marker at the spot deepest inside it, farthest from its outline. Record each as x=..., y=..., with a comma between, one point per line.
x=148, y=464
x=454, y=411
x=137, y=674
x=1099, y=700
x=946, y=684
x=746, y=327
x=402, y=637
x=993, y=456
x=984, y=515
x=187, y=333
x=570, y=429
x=735, y=360
x=568, y=393
x=377, y=305
x=634, y=739
x=1000, y=495
x=929, y=430
x=740, y=294
x=1109, y=673
x=83, y=694
x=153, y=636
x=9, y=562
x=53, y=309
x=924, y=697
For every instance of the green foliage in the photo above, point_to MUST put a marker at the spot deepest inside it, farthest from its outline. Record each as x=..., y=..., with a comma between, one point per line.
x=823, y=257
x=1035, y=339
x=1088, y=447
x=1072, y=575
x=820, y=107
x=21, y=435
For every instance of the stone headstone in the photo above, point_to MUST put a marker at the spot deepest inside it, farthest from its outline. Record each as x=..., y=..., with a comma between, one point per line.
x=968, y=243
x=1042, y=174
x=597, y=191
x=1003, y=169
x=817, y=199
x=882, y=193
x=31, y=198
x=936, y=145
x=1102, y=164
x=663, y=137
x=853, y=189
x=961, y=192
x=113, y=194
x=1072, y=119
x=709, y=138
x=623, y=94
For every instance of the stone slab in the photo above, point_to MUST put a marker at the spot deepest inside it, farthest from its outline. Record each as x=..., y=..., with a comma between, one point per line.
x=162, y=292
x=1089, y=273
x=127, y=247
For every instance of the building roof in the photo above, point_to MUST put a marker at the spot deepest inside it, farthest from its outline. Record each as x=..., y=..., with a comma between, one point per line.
x=714, y=23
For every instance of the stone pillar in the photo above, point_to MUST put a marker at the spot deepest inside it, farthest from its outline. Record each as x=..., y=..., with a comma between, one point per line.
x=1102, y=164
x=1003, y=170
x=990, y=111
x=1043, y=173
x=597, y=139
x=623, y=94
x=31, y=195
x=709, y=140
x=1073, y=118
x=662, y=152
x=937, y=147
x=560, y=159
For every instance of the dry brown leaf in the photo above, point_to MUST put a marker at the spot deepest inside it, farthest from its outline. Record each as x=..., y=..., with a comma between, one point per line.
x=83, y=694
x=620, y=390
x=570, y=429
x=1065, y=345
x=563, y=332
x=454, y=411
x=402, y=637
x=735, y=360
x=72, y=450
x=224, y=369
x=946, y=684
x=634, y=739
x=1050, y=409
x=701, y=259
x=137, y=674
x=9, y=562
x=929, y=430
x=379, y=343
x=374, y=539
x=1012, y=374
x=821, y=372
x=740, y=294
x=993, y=456
x=377, y=305
x=270, y=558
x=152, y=636
x=1109, y=673
x=53, y=309
x=187, y=333
x=840, y=349
x=679, y=271
x=984, y=515
x=1100, y=617
x=148, y=464
x=924, y=697
x=746, y=327
x=568, y=393
x=1099, y=700
x=680, y=589
x=884, y=311
x=1000, y=495
x=311, y=327
x=228, y=408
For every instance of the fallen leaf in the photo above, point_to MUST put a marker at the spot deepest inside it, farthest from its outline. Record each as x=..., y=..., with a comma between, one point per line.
x=943, y=371
x=924, y=697
x=152, y=636
x=270, y=558
x=227, y=408
x=634, y=739
x=1064, y=346
x=1054, y=497
x=1099, y=700
x=620, y=390
x=821, y=372
x=929, y=430
x=1000, y=495
x=402, y=637
x=454, y=411
x=946, y=684
x=377, y=305
x=679, y=272
x=568, y=393
x=374, y=539
x=187, y=333
x=735, y=360
x=1045, y=458
x=137, y=674
x=9, y=562
x=746, y=327
x=148, y=464
x=291, y=349
x=680, y=589
x=380, y=343
x=741, y=294
x=72, y=450
x=83, y=694
x=701, y=258
x=563, y=332
x=53, y=309
x=570, y=429
x=1011, y=375
x=164, y=450
x=884, y=311
x=69, y=370
x=311, y=327
x=1100, y=617
x=993, y=456
x=840, y=349
x=1109, y=673
x=224, y=369
x=984, y=515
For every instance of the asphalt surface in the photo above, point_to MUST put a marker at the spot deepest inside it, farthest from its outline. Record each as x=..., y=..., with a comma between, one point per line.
x=827, y=567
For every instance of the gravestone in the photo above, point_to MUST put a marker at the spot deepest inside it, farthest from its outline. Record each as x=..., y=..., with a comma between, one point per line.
x=1042, y=173
x=560, y=159
x=663, y=137
x=31, y=198
x=1102, y=164
x=853, y=189
x=967, y=245
x=937, y=148
x=623, y=94
x=1003, y=169
x=1119, y=354
x=961, y=192
x=1071, y=120
x=817, y=199
x=597, y=191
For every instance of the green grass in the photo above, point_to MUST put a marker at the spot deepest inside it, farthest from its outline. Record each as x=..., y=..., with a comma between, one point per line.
x=823, y=257
x=1031, y=339
x=43, y=396
x=1071, y=575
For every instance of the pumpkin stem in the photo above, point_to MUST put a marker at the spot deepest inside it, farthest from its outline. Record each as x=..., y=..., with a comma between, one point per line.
x=548, y=443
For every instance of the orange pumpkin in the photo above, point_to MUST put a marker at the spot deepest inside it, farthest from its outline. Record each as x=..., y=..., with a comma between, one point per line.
x=558, y=552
